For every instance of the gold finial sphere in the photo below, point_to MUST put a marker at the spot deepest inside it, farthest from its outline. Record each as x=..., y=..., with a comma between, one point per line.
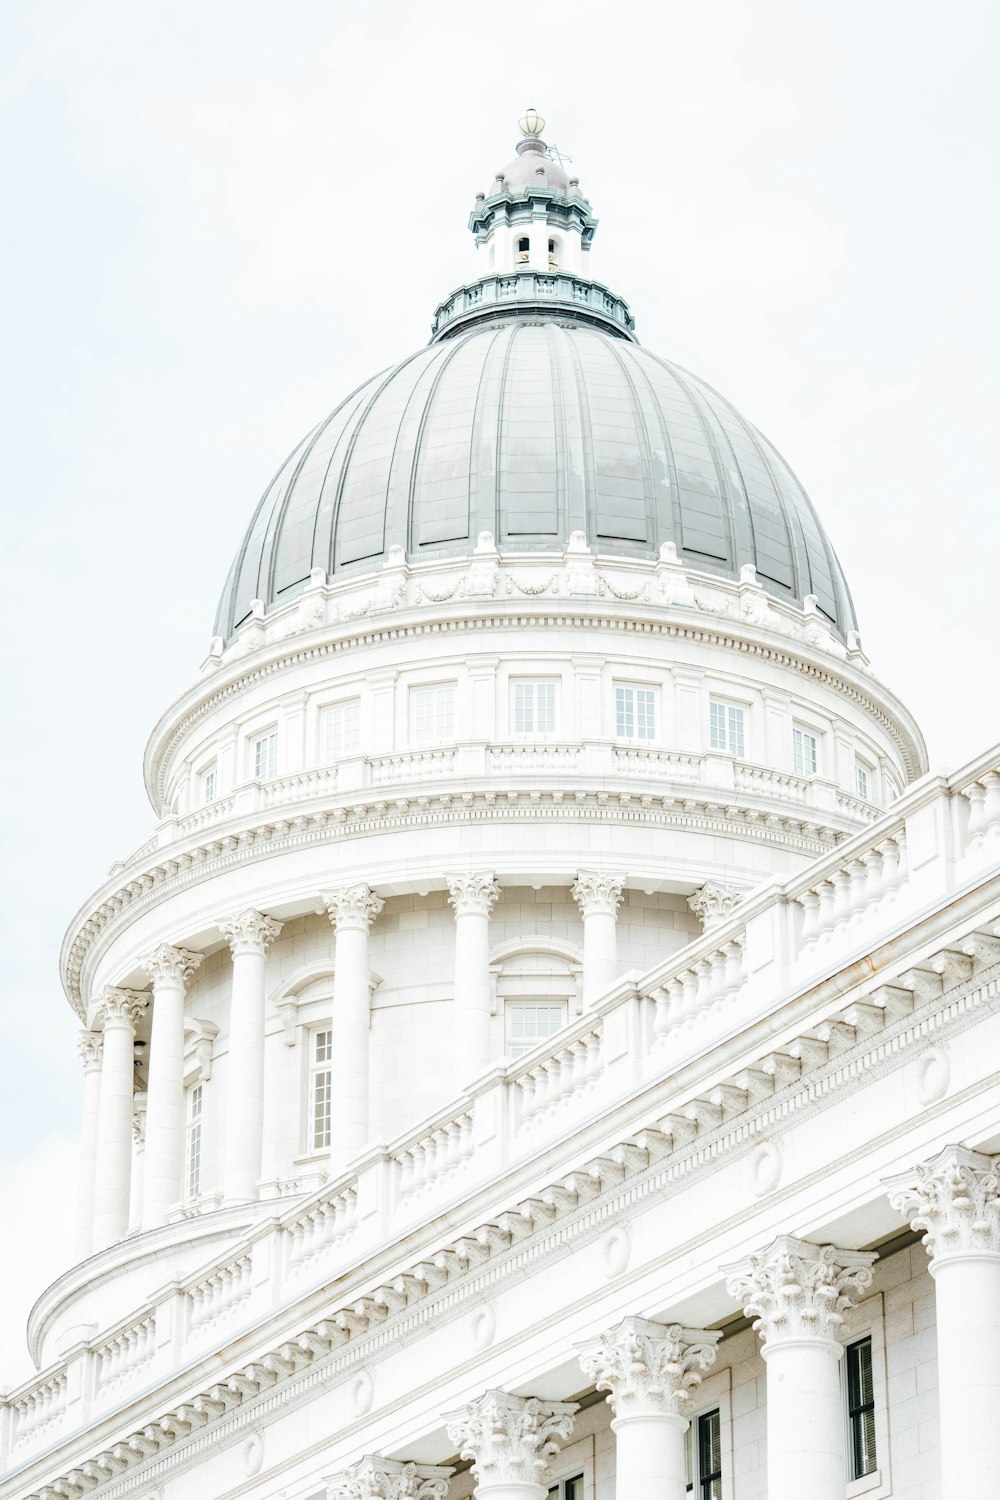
x=531, y=123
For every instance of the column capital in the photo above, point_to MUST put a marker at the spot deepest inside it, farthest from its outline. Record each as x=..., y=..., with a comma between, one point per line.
x=249, y=931
x=713, y=902
x=510, y=1439
x=473, y=893
x=387, y=1479
x=955, y=1199
x=175, y=965
x=797, y=1291
x=648, y=1369
x=91, y=1046
x=120, y=1008
x=598, y=893
x=352, y=907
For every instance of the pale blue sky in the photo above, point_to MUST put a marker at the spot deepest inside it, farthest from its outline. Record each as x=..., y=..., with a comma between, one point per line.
x=221, y=217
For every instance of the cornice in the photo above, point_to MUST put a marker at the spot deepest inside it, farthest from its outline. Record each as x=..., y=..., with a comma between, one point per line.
x=134, y=890
x=578, y=1205
x=707, y=621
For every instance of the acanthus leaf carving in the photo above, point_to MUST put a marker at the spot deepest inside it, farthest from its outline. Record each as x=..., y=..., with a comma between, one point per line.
x=648, y=1369
x=796, y=1290
x=510, y=1439
x=955, y=1199
x=388, y=1479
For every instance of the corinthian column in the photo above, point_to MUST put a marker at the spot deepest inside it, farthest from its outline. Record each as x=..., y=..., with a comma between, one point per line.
x=387, y=1479
x=598, y=896
x=510, y=1440
x=649, y=1371
x=117, y=1010
x=955, y=1199
x=91, y=1045
x=163, y=1171
x=353, y=909
x=249, y=936
x=473, y=898
x=797, y=1292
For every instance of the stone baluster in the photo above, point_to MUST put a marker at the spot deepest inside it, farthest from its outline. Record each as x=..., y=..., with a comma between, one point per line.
x=797, y=1292
x=389, y=1479
x=249, y=936
x=649, y=1371
x=91, y=1046
x=598, y=895
x=352, y=910
x=510, y=1440
x=117, y=1011
x=955, y=1199
x=473, y=897
x=163, y=1170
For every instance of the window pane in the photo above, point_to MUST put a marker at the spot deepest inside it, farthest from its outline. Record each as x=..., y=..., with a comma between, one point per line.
x=624, y=712
x=265, y=757
x=208, y=786
x=534, y=708
x=433, y=712
x=529, y=1022
x=727, y=727
x=862, y=782
x=343, y=729
x=805, y=752
x=861, y=1408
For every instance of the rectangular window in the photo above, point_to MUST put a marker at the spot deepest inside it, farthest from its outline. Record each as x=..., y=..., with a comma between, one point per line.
x=320, y=1088
x=208, y=785
x=569, y=1489
x=861, y=1408
x=805, y=748
x=635, y=713
x=863, y=782
x=528, y=1022
x=265, y=756
x=534, y=708
x=192, y=1173
x=432, y=713
x=703, y=1453
x=342, y=729
x=727, y=727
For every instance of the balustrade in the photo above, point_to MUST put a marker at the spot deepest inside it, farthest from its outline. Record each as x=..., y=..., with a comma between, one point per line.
x=220, y=1292
x=411, y=765
x=326, y=1222
x=40, y=1407
x=714, y=980
x=125, y=1353
x=434, y=1157
x=561, y=1076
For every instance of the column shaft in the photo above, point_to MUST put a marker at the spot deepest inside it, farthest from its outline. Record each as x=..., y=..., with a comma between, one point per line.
x=598, y=896
x=249, y=936
x=352, y=910
x=472, y=897
x=805, y=1422
x=91, y=1044
x=649, y=1457
x=968, y=1343
x=163, y=1168
x=114, y=1133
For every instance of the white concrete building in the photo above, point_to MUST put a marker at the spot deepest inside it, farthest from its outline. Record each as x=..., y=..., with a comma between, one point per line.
x=555, y=999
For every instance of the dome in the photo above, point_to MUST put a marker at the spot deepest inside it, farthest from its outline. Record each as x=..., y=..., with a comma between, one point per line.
x=532, y=429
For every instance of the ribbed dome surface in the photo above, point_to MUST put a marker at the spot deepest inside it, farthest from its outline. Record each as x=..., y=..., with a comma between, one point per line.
x=533, y=431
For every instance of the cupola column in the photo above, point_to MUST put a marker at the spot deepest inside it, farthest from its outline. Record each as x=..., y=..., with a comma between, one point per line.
x=598, y=895
x=118, y=1011
x=353, y=909
x=955, y=1199
x=389, y=1479
x=649, y=1370
x=91, y=1047
x=163, y=1169
x=473, y=898
x=510, y=1440
x=797, y=1292
x=249, y=936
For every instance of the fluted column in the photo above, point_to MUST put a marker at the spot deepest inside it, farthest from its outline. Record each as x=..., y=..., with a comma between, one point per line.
x=598, y=896
x=510, y=1440
x=117, y=1011
x=473, y=897
x=163, y=1169
x=649, y=1371
x=955, y=1199
x=91, y=1046
x=249, y=936
x=387, y=1479
x=797, y=1292
x=353, y=909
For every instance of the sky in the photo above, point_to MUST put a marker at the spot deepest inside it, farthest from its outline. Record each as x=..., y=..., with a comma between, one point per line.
x=222, y=217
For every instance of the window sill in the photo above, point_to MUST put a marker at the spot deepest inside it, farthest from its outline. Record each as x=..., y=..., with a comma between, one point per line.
x=866, y=1486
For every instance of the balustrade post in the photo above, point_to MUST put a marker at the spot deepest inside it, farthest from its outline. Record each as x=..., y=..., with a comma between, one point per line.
x=510, y=1440
x=649, y=1371
x=797, y=1293
x=117, y=1011
x=598, y=895
x=163, y=1169
x=249, y=936
x=352, y=911
x=473, y=897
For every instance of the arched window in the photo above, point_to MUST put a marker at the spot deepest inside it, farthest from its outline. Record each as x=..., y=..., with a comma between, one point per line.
x=523, y=247
x=553, y=255
x=537, y=987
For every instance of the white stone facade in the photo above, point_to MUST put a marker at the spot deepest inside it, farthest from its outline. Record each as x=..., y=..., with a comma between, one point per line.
x=495, y=1083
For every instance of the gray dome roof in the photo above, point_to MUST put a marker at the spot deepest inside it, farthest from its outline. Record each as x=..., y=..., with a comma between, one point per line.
x=533, y=431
